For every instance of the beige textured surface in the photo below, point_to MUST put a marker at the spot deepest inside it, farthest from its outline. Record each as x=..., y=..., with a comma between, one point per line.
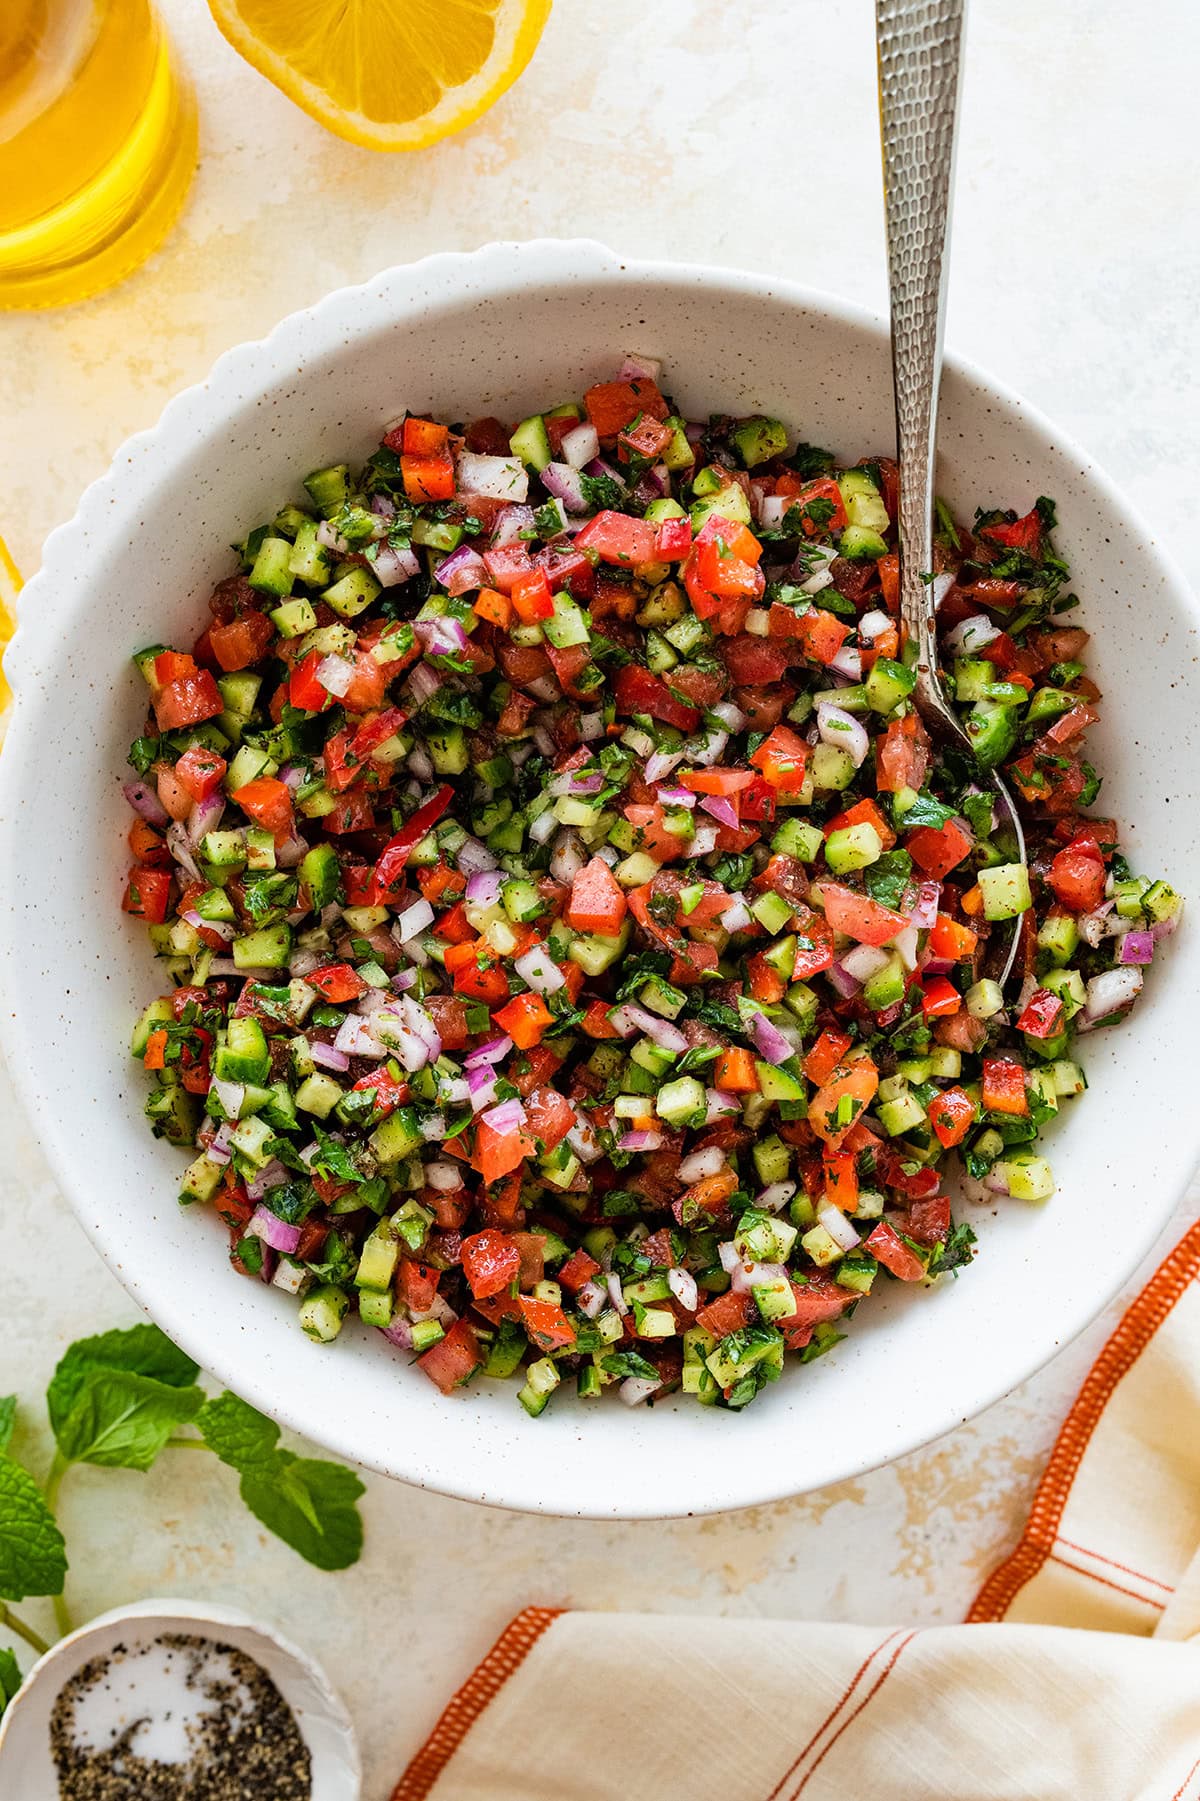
x=739, y=134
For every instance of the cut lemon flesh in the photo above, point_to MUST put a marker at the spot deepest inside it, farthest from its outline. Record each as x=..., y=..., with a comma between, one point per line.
x=388, y=74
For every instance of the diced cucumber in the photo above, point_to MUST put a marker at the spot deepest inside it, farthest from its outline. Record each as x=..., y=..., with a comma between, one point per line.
x=680, y=1102
x=659, y=655
x=329, y=487
x=159, y=1013
x=992, y=729
x=863, y=501
x=245, y=1056
x=376, y=1308
x=320, y=1094
x=377, y=1262
x=901, y=1114
x=268, y=948
x=886, y=986
x=260, y=848
x=270, y=573
x=972, y=678
x=678, y=454
x=860, y=544
x=567, y=625
x=249, y=763
x=853, y=847
x=984, y=999
x=887, y=684
x=201, y=1180
x=397, y=1137
x=1005, y=890
x=173, y=1114
x=224, y=850
x=771, y=911
x=821, y=1246
x=661, y=998
x=322, y=1311
x=294, y=618
x=831, y=767
x=1029, y=1178
x=355, y=591
x=1058, y=935
x=254, y=1139
x=775, y=1299
x=595, y=953
x=1069, y=1079
x=772, y=1159
x=531, y=442
x=776, y=1084
x=310, y=562
x=758, y=440
x=724, y=502
x=796, y=839
x=687, y=634
x=1068, y=985
x=448, y=750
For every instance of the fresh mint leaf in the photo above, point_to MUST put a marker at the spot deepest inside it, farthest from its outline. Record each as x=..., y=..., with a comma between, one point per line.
x=636, y=971
x=8, y=1420
x=310, y=1504
x=10, y=1679
x=956, y=1250
x=887, y=878
x=121, y=1420
x=141, y=1350
x=601, y=492
x=241, y=1436
x=628, y=1363
x=926, y=811
x=33, y=1558
x=334, y=1160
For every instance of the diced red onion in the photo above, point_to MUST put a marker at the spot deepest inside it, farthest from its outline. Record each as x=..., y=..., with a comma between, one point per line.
x=662, y=1032
x=230, y=1094
x=510, y=524
x=432, y=1129
x=583, y=1141
x=906, y=943
x=940, y=587
x=1092, y=925
x=538, y=970
x=641, y=1140
x=719, y=1105
x=590, y=1300
x=335, y=674
x=492, y=477
x=636, y=1389
x=660, y=764
x=475, y=858
x=481, y=1085
x=356, y=1038
x=837, y=1225
x=417, y=917
x=205, y=816
x=872, y=625
x=811, y=569
x=569, y=781
x=329, y=1057
x=273, y=1231
x=706, y=1162
x=924, y=914
x=730, y=1256
x=1109, y=992
x=580, y=445
x=704, y=839
x=711, y=750
x=422, y=684
x=483, y=888
x=181, y=850
x=745, y=1276
x=677, y=797
x=772, y=1044
x=393, y=564
x=864, y=961
x=842, y=729
x=507, y=1118
x=737, y=917
x=567, y=858
x=775, y=1196
x=729, y=715
x=613, y=1284
x=440, y=637
x=145, y=802
x=224, y=928
x=591, y=727
x=1164, y=928
x=494, y=1051
x=462, y=570
x=453, y=1092
x=444, y=1177
x=721, y=809
x=598, y=467
x=419, y=764
x=331, y=539
x=640, y=368
x=771, y=509
x=399, y=1333
x=291, y=854
x=565, y=483
x=682, y=1284
x=839, y=978
x=970, y=636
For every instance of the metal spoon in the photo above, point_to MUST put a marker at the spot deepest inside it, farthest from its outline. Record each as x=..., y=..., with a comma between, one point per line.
x=919, y=46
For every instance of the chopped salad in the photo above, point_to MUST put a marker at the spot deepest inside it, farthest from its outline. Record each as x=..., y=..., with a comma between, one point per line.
x=576, y=945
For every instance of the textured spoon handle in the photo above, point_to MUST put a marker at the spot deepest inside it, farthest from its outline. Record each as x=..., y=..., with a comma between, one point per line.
x=918, y=43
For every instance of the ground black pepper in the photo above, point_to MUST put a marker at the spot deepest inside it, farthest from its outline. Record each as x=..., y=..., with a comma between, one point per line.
x=244, y=1742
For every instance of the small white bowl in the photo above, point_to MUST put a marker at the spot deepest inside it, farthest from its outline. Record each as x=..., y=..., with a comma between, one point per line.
x=27, y=1766
x=505, y=330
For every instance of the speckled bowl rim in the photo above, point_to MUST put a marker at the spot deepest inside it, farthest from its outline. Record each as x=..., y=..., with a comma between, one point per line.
x=527, y=267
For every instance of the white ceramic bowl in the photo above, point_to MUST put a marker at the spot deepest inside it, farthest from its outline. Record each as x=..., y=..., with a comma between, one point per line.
x=27, y=1766
x=503, y=331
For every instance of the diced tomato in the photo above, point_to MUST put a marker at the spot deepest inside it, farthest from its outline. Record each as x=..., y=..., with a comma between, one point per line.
x=754, y=661
x=951, y=1114
x=449, y=1015
x=637, y=690
x=889, y=580
x=200, y=771
x=950, y=939
x=155, y=1054
x=734, y=1071
x=190, y=700
x=647, y=438
x=578, y=1269
x=1042, y=1016
x=724, y=574
x=1004, y=1086
x=766, y=983
x=864, y=812
x=891, y=1250
x=498, y=1154
x=147, y=893
x=490, y=1262
x=1019, y=534
x=901, y=755
x=939, y=997
x=859, y=916
x=417, y=1284
x=172, y=666
x=597, y=902
x=147, y=845
x=783, y=759
x=817, y=1301
x=612, y=405
x=338, y=982
x=454, y=1359
x=616, y=538
x=454, y=927
x=531, y=597
x=242, y=642
x=596, y=1023
x=672, y=540
x=814, y=944
x=422, y=438
x=495, y=607
x=837, y=1104
x=568, y=665
x=546, y=1323
x=729, y=1312
x=535, y=1069
x=376, y=729
x=819, y=634
x=304, y=690
x=938, y=849
x=269, y=803
x=841, y=1179
x=342, y=767
x=825, y=1056
x=387, y=1092
x=825, y=490
x=428, y=477
x=1077, y=878
x=549, y=1116
x=525, y=1019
